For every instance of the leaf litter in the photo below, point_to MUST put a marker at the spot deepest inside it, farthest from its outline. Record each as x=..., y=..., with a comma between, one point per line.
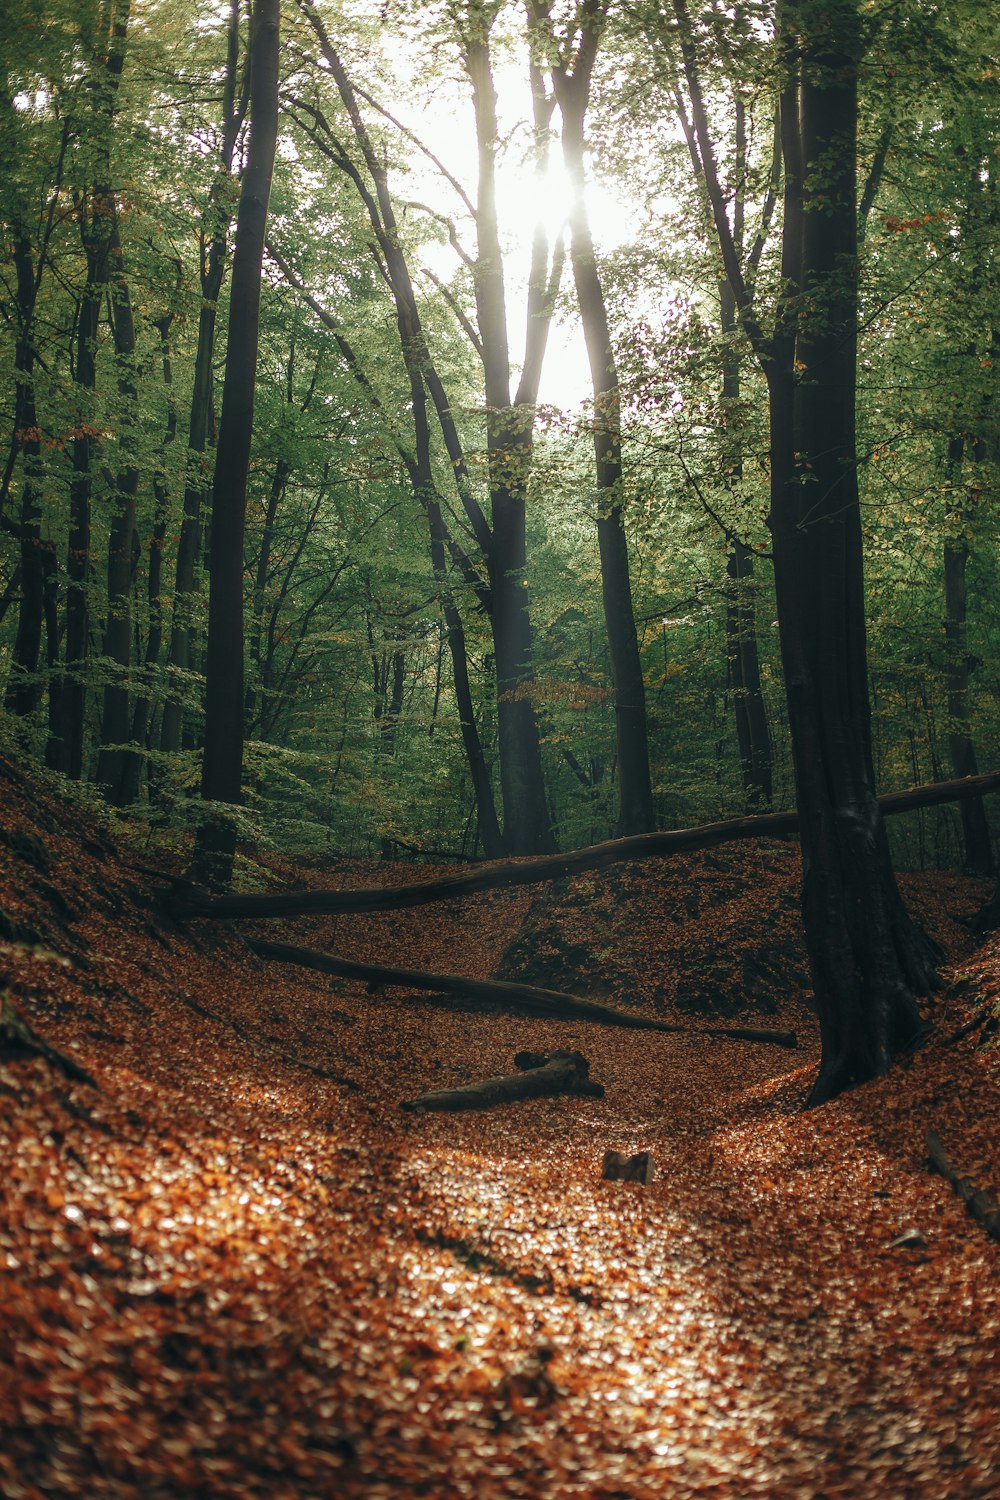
x=223, y=1274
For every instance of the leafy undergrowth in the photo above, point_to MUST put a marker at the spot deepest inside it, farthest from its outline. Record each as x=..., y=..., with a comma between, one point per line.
x=226, y=1273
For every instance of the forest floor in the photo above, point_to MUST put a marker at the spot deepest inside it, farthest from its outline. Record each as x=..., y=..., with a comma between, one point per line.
x=225, y=1273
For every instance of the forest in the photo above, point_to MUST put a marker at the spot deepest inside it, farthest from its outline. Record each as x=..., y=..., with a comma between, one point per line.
x=499, y=954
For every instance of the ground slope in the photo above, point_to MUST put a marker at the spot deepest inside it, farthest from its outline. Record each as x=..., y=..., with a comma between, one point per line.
x=237, y=1269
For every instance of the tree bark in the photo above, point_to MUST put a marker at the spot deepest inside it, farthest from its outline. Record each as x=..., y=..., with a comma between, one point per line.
x=24, y=686
x=631, y=731
x=122, y=544
x=541, y=1075
x=223, y=758
x=509, y=443
x=142, y=715
x=977, y=845
x=214, y=238
x=866, y=958
x=96, y=208
x=753, y=734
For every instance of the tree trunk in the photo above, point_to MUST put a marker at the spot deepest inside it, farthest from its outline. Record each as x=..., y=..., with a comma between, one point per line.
x=541, y=1075
x=866, y=957
x=64, y=751
x=223, y=761
x=144, y=703
x=631, y=733
x=24, y=687
x=215, y=232
x=189, y=901
x=978, y=857
x=509, y=432
x=753, y=734
x=122, y=542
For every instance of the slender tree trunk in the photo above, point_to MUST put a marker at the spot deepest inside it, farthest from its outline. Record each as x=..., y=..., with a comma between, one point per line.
x=254, y=712
x=631, y=732
x=223, y=761
x=197, y=485
x=143, y=712
x=527, y=826
x=753, y=734
x=24, y=686
x=122, y=544
x=422, y=482
x=978, y=858
x=96, y=213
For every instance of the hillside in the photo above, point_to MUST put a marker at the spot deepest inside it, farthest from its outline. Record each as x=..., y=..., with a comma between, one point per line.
x=231, y=1266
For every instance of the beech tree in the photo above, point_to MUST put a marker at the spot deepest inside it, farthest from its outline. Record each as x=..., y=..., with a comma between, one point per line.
x=571, y=66
x=221, y=780
x=868, y=961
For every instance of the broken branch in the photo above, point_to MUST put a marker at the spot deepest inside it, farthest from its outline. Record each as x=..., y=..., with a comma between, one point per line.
x=525, y=999
x=543, y=1074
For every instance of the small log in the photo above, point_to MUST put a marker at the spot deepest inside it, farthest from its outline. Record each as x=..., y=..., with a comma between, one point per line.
x=523, y=999
x=620, y=1167
x=979, y=1203
x=752, y=1034
x=555, y=1073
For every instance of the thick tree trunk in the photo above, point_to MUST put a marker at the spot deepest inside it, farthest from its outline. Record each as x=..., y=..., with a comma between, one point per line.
x=197, y=485
x=223, y=760
x=866, y=958
x=527, y=827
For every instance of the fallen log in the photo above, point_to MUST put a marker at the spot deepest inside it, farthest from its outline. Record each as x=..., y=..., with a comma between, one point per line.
x=542, y=1074
x=979, y=1203
x=524, y=999
x=195, y=902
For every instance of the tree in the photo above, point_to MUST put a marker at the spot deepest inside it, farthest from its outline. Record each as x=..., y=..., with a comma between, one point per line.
x=572, y=69
x=224, y=687
x=866, y=957
x=212, y=253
